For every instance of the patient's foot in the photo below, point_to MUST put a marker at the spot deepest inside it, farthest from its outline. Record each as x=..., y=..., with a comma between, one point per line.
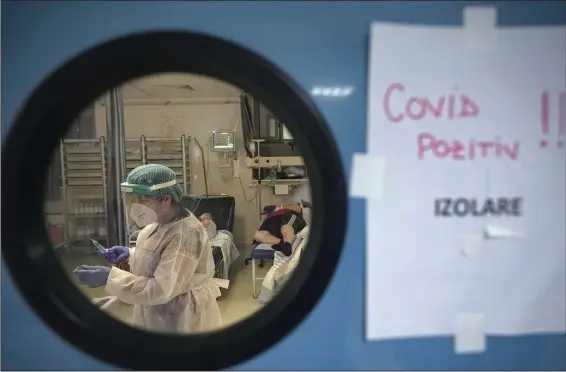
x=284, y=247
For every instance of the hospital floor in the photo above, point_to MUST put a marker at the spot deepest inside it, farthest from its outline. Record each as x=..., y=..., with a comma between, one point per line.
x=236, y=303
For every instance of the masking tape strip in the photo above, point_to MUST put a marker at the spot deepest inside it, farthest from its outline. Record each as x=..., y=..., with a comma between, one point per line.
x=469, y=335
x=500, y=232
x=366, y=178
x=480, y=28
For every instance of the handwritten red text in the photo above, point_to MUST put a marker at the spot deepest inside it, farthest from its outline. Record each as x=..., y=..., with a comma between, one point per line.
x=461, y=150
x=415, y=108
x=545, y=105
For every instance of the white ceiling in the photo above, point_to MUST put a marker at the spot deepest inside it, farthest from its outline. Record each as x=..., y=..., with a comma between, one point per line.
x=178, y=86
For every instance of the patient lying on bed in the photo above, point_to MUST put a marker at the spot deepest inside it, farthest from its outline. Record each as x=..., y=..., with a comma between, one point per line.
x=280, y=227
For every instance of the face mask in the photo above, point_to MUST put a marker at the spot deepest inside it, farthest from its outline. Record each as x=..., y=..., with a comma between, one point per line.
x=142, y=215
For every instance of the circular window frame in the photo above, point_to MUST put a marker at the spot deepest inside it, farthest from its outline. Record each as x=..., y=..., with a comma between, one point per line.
x=48, y=114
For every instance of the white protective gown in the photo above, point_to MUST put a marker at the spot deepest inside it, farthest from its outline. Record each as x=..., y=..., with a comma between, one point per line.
x=170, y=284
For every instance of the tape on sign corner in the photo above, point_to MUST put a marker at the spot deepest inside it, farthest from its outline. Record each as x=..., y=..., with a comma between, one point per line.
x=469, y=335
x=366, y=179
x=480, y=28
x=500, y=232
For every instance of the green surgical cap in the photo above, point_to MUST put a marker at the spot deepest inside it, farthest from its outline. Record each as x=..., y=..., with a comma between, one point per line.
x=155, y=174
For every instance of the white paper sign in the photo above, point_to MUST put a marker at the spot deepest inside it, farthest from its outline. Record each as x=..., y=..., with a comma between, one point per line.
x=474, y=143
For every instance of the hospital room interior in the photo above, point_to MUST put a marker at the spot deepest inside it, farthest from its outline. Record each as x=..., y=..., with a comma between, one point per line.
x=235, y=162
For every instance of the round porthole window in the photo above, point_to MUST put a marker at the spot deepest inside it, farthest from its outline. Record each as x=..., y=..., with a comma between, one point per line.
x=129, y=242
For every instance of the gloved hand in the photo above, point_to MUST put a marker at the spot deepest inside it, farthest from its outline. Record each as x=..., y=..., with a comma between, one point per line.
x=116, y=254
x=92, y=276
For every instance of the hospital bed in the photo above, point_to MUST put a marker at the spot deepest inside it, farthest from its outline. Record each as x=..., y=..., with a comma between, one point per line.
x=222, y=209
x=283, y=267
x=260, y=253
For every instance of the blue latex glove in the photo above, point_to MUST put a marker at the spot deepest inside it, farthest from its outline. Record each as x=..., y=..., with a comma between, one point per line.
x=92, y=276
x=116, y=254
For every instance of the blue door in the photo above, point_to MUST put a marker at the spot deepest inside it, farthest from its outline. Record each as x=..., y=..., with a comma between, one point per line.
x=317, y=44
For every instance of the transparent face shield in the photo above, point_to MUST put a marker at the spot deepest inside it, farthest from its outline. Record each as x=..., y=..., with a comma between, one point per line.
x=139, y=211
x=139, y=203
x=144, y=190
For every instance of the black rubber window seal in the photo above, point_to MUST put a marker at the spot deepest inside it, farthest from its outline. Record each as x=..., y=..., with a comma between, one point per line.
x=49, y=113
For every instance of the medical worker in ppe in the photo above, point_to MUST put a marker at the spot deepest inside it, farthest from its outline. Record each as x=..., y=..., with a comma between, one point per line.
x=170, y=283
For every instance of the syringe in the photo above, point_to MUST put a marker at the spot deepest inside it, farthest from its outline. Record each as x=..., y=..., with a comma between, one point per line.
x=98, y=246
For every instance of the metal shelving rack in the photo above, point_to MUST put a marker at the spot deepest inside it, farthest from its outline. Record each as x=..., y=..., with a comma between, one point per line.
x=84, y=180
x=173, y=153
x=135, y=153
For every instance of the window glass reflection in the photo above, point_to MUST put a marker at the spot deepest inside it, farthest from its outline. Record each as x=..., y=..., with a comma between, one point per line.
x=178, y=203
